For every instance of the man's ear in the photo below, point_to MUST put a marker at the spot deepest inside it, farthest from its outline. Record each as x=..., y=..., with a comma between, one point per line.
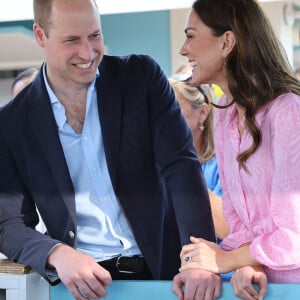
x=39, y=35
x=228, y=43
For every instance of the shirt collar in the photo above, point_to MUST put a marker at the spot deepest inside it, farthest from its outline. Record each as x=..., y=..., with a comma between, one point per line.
x=51, y=94
x=58, y=108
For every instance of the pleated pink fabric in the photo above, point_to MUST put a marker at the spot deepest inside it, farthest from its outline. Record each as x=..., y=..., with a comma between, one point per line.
x=263, y=207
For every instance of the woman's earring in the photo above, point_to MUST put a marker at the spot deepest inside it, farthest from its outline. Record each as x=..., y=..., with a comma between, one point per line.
x=201, y=127
x=225, y=65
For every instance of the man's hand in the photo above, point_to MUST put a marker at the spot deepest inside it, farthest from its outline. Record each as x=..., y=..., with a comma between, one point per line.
x=244, y=278
x=198, y=285
x=84, y=278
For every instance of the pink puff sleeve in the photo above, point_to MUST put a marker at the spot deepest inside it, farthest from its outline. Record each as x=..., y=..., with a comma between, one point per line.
x=279, y=247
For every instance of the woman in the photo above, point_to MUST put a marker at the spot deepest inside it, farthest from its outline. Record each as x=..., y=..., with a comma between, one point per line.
x=257, y=142
x=196, y=106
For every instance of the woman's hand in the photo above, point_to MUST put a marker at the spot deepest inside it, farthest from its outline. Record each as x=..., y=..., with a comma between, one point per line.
x=206, y=256
x=244, y=278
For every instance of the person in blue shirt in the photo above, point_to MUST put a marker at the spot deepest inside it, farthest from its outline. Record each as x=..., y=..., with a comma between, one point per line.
x=97, y=143
x=195, y=103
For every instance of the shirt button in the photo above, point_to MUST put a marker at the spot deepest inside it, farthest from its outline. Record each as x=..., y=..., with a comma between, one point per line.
x=71, y=234
x=85, y=138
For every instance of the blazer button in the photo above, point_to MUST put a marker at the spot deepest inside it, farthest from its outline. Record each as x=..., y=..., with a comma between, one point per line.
x=71, y=234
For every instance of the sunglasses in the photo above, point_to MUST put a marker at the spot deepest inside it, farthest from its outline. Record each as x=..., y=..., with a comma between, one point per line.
x=187, y=77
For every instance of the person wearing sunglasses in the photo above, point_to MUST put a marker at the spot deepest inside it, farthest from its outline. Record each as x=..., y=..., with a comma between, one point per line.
x=196, y=106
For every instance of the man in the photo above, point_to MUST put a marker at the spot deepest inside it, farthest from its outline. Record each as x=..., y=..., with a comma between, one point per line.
x=99, y=146
x=22, y=80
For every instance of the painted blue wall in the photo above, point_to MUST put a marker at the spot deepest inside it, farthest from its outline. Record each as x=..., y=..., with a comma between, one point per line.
x=140, y=33
x=158, y=290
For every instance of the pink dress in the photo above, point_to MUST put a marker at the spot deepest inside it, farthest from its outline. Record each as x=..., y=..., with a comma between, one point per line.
x=263, y=207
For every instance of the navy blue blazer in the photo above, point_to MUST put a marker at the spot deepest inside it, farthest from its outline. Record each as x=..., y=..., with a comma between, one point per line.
x=153, y=166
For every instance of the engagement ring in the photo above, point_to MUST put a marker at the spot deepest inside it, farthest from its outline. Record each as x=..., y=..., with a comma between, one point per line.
x=188, y=258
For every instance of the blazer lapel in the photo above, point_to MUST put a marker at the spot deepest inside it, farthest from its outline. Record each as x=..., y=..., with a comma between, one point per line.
x=43, y=126
x=109, y=105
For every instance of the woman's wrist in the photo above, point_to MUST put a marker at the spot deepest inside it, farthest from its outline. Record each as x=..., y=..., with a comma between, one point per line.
x=242, y=257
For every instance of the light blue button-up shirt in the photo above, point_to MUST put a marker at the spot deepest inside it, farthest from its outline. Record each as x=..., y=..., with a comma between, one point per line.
x=102, y=229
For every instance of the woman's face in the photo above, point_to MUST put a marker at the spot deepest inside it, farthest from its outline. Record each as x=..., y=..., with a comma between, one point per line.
x=204, y=52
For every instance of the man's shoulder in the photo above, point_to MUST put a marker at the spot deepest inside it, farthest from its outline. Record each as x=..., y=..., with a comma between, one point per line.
x=126, y=61
x=12, y=106
x=126, y=58
x=16, y=109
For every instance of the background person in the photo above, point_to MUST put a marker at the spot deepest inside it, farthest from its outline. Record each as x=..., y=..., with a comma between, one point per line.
x=22, y=80
x=196, y=105
x=92, y=144
x=231, y=43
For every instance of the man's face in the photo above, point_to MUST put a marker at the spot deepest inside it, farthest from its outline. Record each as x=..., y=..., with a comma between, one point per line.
x=74, y=45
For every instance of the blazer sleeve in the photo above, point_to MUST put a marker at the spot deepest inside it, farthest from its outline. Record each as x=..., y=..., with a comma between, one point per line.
x=176, y=158
x=19, y=240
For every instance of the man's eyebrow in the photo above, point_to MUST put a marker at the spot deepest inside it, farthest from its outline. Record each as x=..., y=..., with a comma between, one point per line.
x=96, y=31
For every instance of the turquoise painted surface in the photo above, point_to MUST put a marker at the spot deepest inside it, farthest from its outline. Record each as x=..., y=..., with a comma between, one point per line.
x=162, y=290
x=139, y=33
x=27, y=24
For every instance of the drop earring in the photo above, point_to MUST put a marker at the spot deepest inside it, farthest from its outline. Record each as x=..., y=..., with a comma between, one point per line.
x=225, y=65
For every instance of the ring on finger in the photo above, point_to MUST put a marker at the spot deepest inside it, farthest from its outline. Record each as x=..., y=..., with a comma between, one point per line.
x=188, y=258
x=82, y=293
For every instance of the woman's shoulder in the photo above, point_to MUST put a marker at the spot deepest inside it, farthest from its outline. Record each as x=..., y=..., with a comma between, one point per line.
x=287, y=99
x=284, y=103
